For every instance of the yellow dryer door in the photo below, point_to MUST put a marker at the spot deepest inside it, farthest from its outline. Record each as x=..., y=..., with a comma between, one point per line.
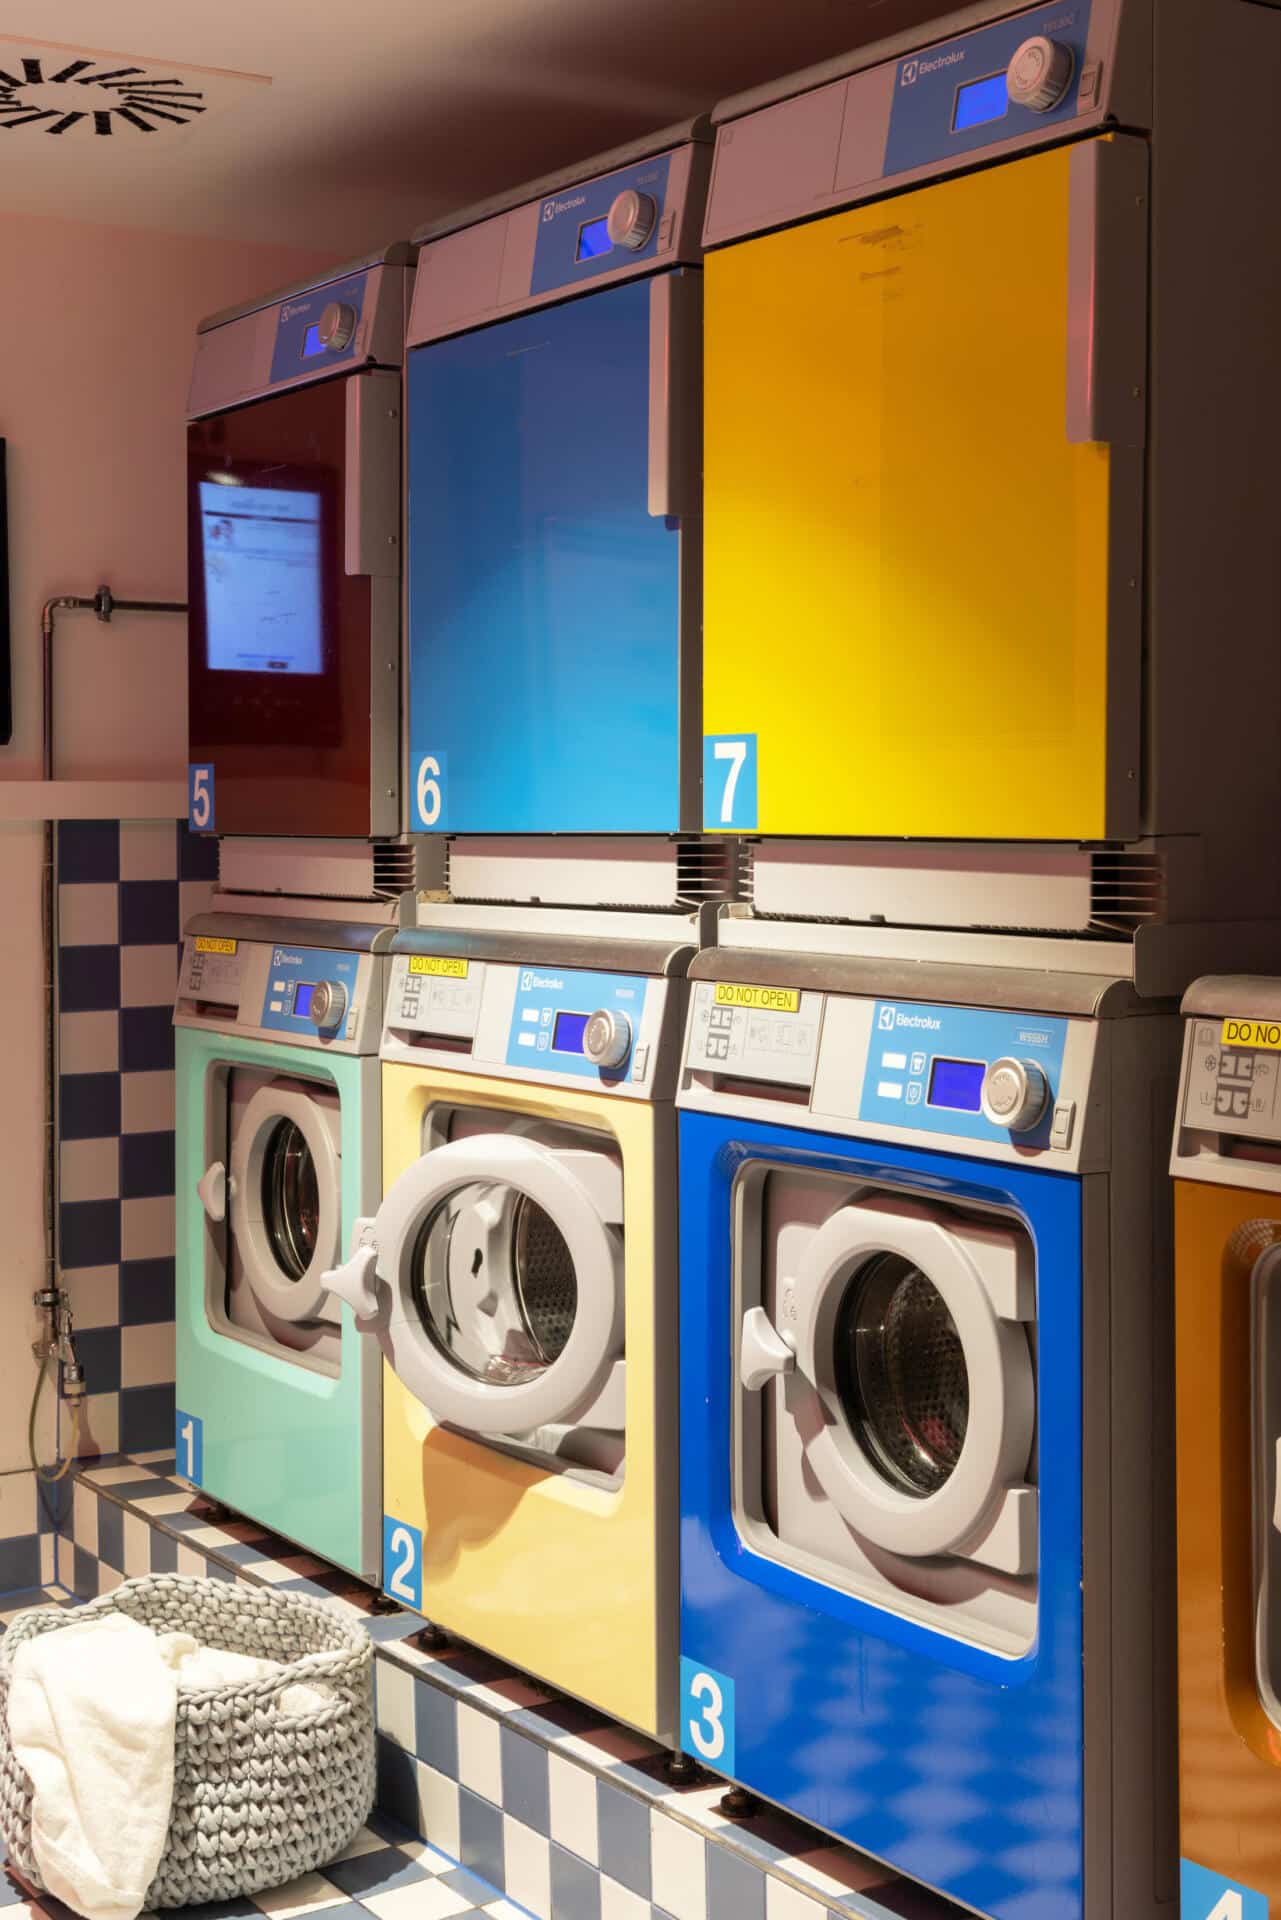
x=908, y=521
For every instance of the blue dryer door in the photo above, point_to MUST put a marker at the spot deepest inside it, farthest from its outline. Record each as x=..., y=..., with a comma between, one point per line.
x=543, y=595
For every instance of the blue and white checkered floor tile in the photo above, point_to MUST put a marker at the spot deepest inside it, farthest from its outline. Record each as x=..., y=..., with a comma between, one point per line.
x=14, y=1603
x=385, y=1872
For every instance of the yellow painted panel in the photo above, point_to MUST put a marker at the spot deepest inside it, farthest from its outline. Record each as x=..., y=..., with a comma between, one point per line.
x=573, y=1583
x=906, y=564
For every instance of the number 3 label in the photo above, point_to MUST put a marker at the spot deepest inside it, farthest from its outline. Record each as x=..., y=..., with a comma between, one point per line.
x=403, y=1562
x=707, y=1715
x=729, y=782
x=1209, y=1896
x=429, y=791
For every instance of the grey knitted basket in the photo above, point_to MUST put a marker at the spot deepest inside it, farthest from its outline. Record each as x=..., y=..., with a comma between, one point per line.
x=259, y=1796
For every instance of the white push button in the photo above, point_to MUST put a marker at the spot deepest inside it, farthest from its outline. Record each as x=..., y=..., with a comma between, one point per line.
x=1064, y=1122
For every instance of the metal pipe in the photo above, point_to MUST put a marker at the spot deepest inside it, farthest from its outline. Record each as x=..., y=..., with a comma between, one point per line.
x=104, y=604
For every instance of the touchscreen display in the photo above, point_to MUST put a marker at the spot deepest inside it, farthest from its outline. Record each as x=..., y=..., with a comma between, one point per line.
x=261, y=548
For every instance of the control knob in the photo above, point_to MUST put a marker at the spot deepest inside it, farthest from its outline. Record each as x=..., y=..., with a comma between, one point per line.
x=1015, y=1094
x=1040, y=73
x=328, y=1004
x=631, y=218
x=337, y=324
x=607, y=1038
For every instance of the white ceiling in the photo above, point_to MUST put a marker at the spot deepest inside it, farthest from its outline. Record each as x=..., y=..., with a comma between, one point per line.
x=379, y=113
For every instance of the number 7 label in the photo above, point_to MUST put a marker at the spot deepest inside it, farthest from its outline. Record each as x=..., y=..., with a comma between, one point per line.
x=729, y=782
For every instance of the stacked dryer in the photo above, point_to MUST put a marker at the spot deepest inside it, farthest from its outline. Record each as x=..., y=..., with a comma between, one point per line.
x=981, y=472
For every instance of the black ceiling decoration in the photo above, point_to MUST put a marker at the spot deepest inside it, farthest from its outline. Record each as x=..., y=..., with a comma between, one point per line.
x=87, y=98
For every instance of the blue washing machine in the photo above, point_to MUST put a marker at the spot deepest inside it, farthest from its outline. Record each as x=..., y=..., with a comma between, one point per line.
x=554, y=487
x=925, y=1482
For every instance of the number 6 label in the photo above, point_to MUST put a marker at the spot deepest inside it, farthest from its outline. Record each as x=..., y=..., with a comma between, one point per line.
x=707, y=1715
x=729, y=782
x=403, y=1562
x=429, y=791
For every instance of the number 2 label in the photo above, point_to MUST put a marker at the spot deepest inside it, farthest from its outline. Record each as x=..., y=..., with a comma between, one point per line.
x=707, y=1715
x=1210, y=1896
x=403, y=1562
x=729, y=782
x=190, y=1436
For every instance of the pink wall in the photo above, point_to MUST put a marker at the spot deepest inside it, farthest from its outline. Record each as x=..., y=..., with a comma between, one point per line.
x=97, y=337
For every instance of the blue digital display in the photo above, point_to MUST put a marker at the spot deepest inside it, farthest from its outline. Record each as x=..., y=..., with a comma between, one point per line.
x=593, y=239
x=567, y=1035
x=981, y=102
x=957, y=1084
x=312, y=344
x=302, y=998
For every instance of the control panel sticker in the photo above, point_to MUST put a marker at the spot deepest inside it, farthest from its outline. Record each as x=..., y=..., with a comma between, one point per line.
x=772, y=999
x=200, y=796
x=440, y=966
x=730, y=787
x=215, y=943
x=320, y=330
x=212, y=969
x=707, y=1715
x=576, y=1022
x=1252, y=1033
x=1204, y=1895
x=955, y=98
x=189, y=1434
x=311, y=993
x=577, y=240
x=927, y=1066
x=435, y=993
x=403, y=1562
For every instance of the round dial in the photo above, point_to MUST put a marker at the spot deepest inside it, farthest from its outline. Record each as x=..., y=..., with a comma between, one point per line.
x=631, y=219
x=337, y=324
x=328, y=1004
x=1015, y=1094
x=607, y=1038
x=1040, y=73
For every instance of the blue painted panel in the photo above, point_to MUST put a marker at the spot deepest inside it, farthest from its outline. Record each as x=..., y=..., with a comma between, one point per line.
x=924, y=1065
x=955, y=1765
x=297, y=349
x=1204, y=1895
x=543, y=597
x=562, y=220
x=295, y=972
x=927, y=121
x=551, y=1009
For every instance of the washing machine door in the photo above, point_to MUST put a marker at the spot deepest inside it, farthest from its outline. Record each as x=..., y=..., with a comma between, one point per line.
x=914, y=1388
x=1265, y=1364
x=284, y=1198
x=494, y=1270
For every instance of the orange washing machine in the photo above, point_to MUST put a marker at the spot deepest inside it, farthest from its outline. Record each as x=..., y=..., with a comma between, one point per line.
x=1227, y=1168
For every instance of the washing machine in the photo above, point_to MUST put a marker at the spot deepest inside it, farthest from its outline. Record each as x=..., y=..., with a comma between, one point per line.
x=970, y=417
x=1227, y=1211
x=293, y=558
x=519, y=1277
x=554, y=497
x=926, y=1517
x=278, y=1143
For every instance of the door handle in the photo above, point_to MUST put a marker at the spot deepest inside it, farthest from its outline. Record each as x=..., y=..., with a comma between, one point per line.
x=763, y=1354
x=356, y=1279
x=212, y=1190
x=675, y=393
x=1107, y=292
x=371, y=483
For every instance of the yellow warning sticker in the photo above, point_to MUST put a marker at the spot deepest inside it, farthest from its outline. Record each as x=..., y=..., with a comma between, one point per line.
x=439, y=964
x=766, y=999
x=1252, y=1033
x=215, y=943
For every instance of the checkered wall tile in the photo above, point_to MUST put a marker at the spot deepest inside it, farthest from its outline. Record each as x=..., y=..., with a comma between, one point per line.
x=125, y=889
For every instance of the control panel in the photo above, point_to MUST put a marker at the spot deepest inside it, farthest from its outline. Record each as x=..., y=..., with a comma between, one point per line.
x=329, y=997
x=571, y=1025
x=1010, y=1080
x=311, y=992
x=1233, y=1072
x=992, y=84
x=594, y=228
x=213, y=966
x=318, y=330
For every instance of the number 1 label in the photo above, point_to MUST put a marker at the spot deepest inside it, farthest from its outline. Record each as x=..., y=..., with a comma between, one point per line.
x=729, y=782
x=707, y=1715
x=403, y=1562
x=1210, y=1896
x=190, y=1437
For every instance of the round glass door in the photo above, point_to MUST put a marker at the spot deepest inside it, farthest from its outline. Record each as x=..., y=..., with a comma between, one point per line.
x=494, y=1284
x=290, y=1199
x=285, y=1196
x=901, y=1375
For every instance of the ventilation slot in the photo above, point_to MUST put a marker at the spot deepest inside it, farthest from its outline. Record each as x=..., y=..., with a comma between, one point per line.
x=395, y=869
x=1127, y=890
x=706, y=870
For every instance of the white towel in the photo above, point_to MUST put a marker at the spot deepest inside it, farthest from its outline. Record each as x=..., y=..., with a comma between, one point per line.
x=91, y=1718
x=197, y=1666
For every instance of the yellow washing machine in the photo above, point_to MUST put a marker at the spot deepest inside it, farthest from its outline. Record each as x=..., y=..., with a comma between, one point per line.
x=958, y=382
x=521, y=1278
x=1227, y=1168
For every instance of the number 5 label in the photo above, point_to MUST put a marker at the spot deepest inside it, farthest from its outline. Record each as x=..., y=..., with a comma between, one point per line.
x=729, y=782
x=190, y=1436
x=707, y=1715
x=430, y=792
x=403, y=1562
x=200, y=797
x=1209, y=1896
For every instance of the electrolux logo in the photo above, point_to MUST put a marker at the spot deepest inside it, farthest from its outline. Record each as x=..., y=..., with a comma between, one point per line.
x=293, y=307
x=914, y=70
x=283, y=958
x=531, y=982
x=891, y=1018
x=551, y=208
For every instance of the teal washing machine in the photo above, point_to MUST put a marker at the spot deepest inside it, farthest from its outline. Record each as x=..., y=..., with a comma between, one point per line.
x=278, y=1151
